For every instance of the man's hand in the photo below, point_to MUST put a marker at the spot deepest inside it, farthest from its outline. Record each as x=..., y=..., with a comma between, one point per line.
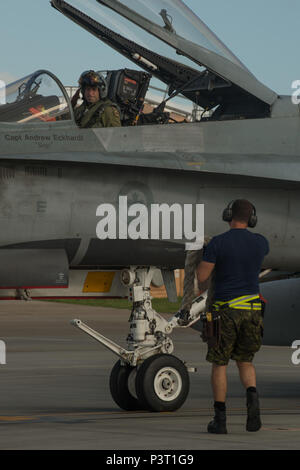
x=204, y=271
x=75, y=98
x=183, y=317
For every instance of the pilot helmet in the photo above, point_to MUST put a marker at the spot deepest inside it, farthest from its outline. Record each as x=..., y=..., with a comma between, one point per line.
x=92, y=78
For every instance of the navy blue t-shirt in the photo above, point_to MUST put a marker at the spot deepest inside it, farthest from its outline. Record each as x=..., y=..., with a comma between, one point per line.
x=238, y=256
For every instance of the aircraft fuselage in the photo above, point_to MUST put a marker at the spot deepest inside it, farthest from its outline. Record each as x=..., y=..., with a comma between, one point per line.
x=54, y=176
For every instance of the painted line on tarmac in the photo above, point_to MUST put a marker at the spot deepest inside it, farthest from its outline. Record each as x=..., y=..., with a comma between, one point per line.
x=280, y=429
x=141, y=413
x=15, y=418
x=39, y=417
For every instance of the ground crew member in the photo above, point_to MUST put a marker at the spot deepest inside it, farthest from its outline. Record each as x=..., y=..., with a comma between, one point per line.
x=237, y=257
x=96, y=110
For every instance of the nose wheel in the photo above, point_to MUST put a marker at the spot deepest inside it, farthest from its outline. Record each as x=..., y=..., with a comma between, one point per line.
x=122, y=387
x=162, y=383
x=148, y=376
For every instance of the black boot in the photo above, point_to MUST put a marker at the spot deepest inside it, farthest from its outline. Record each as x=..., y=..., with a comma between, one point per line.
x=253, y=412
x=218, y=424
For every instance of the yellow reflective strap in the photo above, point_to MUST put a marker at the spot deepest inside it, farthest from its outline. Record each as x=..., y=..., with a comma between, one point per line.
x=246, y=307
x=243, y=299
x=242, y=302
x=241, y=307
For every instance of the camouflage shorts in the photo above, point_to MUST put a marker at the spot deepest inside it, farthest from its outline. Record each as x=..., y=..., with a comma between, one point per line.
x=241, y=336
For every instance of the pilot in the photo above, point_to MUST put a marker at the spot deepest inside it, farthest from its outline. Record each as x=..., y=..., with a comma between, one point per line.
x=236, y=256
x=96, y=110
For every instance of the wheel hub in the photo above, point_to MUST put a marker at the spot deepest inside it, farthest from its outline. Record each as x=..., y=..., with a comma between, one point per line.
x=167, y=384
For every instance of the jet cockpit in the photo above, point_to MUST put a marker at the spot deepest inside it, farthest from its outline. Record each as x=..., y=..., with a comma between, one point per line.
x=167, y=40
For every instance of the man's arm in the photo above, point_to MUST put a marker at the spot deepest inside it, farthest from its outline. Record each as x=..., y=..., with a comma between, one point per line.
x=75, y=98
x=204, y=270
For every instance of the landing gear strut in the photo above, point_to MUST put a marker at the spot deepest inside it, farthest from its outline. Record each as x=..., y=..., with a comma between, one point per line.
x=147, y=376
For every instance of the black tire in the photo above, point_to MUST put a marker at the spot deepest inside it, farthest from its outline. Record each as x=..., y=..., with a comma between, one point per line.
x=118, y=384
x=162, y=383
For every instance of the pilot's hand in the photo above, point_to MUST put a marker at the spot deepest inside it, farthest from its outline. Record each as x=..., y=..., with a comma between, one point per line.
x=75, y=98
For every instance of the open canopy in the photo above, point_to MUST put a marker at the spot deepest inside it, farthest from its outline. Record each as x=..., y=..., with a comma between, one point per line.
x=166, y=38
x=175, y=17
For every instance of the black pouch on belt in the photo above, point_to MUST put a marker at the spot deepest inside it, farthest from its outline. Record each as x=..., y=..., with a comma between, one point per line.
x=211, y=329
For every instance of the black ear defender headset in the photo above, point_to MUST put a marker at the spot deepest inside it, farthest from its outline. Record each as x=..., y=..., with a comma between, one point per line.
x=227, y=215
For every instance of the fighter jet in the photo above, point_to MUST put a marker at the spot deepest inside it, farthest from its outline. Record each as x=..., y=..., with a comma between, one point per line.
x=69, y=195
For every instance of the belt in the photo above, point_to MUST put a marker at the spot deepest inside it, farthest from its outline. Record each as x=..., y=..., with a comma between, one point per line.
x=245, y=302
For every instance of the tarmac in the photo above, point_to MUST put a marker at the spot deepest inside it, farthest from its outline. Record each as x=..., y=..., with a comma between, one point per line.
x=54, y=392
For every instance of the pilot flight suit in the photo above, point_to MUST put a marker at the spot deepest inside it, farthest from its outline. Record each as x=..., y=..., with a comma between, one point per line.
x=104, y=113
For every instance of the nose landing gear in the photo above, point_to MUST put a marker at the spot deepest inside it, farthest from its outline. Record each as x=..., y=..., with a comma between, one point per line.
x=148, y=376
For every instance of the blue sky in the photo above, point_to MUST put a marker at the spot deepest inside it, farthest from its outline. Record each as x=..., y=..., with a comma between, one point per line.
x=263, y=34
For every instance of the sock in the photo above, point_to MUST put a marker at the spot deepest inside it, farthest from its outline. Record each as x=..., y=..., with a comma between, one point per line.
x=220, y=405
x=251, y=389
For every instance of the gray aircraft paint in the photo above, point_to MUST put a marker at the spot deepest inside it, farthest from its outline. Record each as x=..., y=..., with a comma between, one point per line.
x=43, y=201
x=54, y=175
